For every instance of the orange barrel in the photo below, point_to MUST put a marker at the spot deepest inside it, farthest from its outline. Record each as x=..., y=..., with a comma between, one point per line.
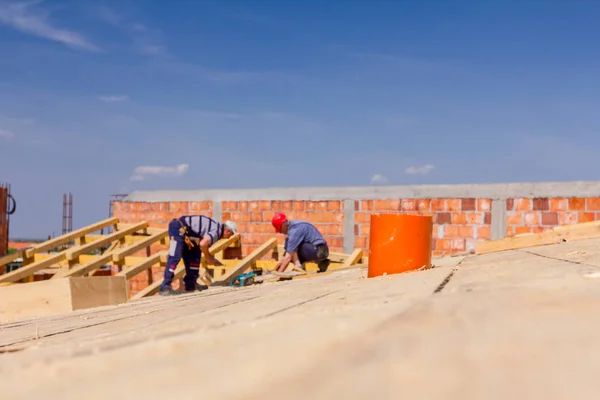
x=399, y=243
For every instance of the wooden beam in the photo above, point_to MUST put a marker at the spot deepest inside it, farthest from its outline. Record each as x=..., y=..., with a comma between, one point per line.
x=247, y=262
x=141, y=266
x=119, y=255
x=73, y=253
x=333, y=256
x=27, y=270
x=563, y=233
x=353, y=258
x=153, y=288
x=57, y=241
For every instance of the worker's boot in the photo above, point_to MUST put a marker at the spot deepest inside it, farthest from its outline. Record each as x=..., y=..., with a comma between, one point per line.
x=168, y=291
x=323, y=265
x=198, y=287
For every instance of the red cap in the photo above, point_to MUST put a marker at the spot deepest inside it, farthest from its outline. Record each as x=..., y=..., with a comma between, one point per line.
x=278, y=220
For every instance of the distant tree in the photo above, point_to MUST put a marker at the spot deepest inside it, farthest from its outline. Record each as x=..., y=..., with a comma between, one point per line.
x=12, y=250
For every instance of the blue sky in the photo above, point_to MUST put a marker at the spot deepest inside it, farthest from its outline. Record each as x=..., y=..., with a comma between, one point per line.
x=100, y=97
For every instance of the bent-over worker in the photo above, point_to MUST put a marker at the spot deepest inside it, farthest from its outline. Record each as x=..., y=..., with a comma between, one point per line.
x=190, y=237
x=304, y=243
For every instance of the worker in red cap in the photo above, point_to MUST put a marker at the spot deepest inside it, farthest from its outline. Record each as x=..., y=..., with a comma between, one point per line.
x=304, y=243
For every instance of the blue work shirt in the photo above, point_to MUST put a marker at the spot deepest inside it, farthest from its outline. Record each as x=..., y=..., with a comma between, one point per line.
x=302, y=232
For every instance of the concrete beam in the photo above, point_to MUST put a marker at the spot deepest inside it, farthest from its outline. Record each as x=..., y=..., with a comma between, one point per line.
x=498, y=228
x=217, y=211
x=348, y=226
x=497, y=191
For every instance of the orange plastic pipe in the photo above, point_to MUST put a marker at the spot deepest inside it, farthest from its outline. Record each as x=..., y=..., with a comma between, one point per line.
x=399, y=243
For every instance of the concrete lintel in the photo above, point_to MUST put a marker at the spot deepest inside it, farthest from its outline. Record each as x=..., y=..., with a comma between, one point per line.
x=348, y=226
x=492, y=191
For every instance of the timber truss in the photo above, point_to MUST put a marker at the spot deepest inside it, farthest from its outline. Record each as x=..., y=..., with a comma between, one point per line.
x=82, y=253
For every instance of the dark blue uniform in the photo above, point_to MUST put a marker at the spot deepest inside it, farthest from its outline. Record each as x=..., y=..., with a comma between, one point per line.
x=198, y=227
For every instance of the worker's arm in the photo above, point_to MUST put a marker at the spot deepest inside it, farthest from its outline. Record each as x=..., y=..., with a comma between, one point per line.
x=204, y=246
x=289, y=257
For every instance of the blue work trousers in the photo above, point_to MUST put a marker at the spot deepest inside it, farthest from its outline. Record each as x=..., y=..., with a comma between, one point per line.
x=178, y=250
x=309, y=252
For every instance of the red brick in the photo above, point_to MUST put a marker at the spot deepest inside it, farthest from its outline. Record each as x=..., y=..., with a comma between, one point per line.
x=310, y=206
x=334, y=206
x=541, y=204
x=514, y=218
x=510, y=204
x=469, y=204
x=322, y=206
x=264, y=205
x=457, y=244
x=382, y=205
x=510, y=231
x=451, y=231
x=275, y=206
x=409, y=205
x=487, y=218
x=253, y=205
x=438, y=205
x=474, y=218
x=593, y=204
x=360, y=242
x=424, y=205
x=443, y=218
x=443, y=244
x=395, y=204
x=532, y=218
x=549, y=218
x=459, y=218
x=523, y=204
x=576, y=204
x=587, y=217
x=243, y=206
x=519, y=230
x=484, y=204
x=484, y=232
x=567, y=218
x=453, y=204
x=466, y=232
x=558, y=204
x=232, y=205
x=367, y=205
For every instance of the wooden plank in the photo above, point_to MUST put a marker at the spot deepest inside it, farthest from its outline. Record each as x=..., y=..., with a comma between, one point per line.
x=153, y=288
x=247, y=262
x=586, y=230
x=333, y=256
x=83, y=268
x=140, y=267
x=27, y=270
x=72, y=254
x=119, y=255
x=50, y=244
x=51, y=297
x=353, y=258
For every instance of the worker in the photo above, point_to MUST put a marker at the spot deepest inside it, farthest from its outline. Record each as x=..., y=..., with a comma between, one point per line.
x=303, y=243
x=190, y=237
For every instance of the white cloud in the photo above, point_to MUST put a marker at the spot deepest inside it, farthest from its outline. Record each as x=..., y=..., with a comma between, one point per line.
x=379, y=179
x=24, y=18
x=113, y=99
x=143, y=172
x=422, y=170
x=146, y=40
x=6, y=134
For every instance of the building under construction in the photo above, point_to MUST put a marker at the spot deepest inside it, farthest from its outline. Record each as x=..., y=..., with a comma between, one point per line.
x=433, y=293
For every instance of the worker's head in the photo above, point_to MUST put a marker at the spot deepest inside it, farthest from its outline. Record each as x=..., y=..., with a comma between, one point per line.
x=280, y=223
x=230, y=229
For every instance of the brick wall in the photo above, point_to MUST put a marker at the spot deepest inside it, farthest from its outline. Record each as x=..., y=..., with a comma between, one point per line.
x=535, y=215
x=459, y=223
